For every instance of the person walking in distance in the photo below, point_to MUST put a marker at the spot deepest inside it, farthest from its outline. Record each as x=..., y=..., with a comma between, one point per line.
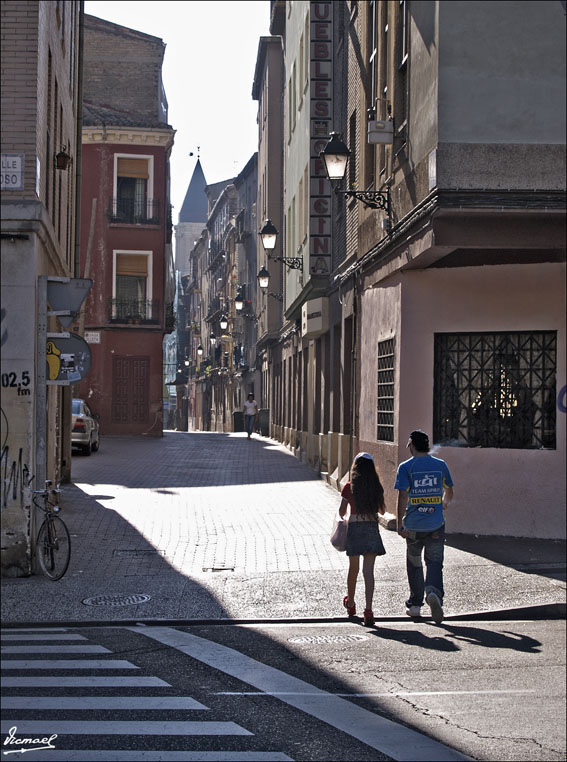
x=425, y=488
x=364, y=495
x=250, y=413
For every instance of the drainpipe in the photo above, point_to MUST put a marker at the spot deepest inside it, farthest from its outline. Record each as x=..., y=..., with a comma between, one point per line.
x=79, y=143
x=353, y=368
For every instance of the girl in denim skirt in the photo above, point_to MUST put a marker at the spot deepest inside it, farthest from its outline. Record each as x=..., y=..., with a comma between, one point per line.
x=364, y=495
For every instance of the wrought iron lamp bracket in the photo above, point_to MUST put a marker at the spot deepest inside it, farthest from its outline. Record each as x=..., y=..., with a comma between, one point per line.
x=294, y=263
x=371, y=199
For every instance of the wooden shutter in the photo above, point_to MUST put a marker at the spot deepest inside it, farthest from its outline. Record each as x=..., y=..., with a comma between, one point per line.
x=133, y=168
x=132, y=264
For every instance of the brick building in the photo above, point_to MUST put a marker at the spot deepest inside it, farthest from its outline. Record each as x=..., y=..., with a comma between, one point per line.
x=126, y=226
x=41, y=58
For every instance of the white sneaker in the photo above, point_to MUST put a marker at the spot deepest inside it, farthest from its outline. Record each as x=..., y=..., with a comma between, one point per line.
x=434, y=604
x=413, y=611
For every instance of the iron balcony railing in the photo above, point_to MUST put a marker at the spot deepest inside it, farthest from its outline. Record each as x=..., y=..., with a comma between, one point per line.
x=134, y=311
x=131, y=211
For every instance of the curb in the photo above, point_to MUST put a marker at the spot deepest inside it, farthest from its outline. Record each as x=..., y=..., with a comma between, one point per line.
x=546, y=611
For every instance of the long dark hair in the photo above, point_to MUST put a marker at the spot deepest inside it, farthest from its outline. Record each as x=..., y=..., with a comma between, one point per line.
x=367, y=490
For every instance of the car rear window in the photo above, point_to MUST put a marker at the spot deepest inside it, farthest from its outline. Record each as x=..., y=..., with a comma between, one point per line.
x=76, y=407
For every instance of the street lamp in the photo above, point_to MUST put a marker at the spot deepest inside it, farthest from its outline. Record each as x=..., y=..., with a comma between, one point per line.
x=239, y=302
x=200, y=350
x=213, y=338
x=335, y=156
x=269, y=234
x=223, y=322
x=264, y=278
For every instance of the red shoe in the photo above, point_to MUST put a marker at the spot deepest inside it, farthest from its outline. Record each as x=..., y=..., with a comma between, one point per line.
x=368, y=618
x=351, y=610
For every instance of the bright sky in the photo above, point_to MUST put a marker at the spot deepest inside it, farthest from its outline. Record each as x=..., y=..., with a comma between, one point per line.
x=208, y=69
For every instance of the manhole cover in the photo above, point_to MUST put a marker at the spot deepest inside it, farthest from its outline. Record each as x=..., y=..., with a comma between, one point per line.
x=117, y=600
x=328, y=639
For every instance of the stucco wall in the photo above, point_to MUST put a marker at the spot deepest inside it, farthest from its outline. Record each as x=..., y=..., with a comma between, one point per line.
x=497, y=491
x=502, y=72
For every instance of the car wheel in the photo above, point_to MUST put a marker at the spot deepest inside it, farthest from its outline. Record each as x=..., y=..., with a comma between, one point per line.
x=87, y=449
x=96, y=444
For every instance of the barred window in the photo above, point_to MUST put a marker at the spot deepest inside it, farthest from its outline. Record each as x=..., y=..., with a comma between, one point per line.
x=495, y=389
x=386, y=378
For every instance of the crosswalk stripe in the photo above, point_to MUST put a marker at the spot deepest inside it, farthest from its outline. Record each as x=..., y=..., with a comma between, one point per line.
x=67, y=664
x=4, y=630
x=101, y=702
x=83, y=682
x=378, y=732
x=112, y=755
x=43, y=636
x=111, y=727
x=54, y=650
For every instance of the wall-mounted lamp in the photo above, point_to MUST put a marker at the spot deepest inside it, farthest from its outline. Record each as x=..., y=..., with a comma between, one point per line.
x=335, y=156
x=239, y=302
x=264, y=278
x=62, y=159
x=269, y=234
x=223, y=323
x=213, y=339
x=200, y=350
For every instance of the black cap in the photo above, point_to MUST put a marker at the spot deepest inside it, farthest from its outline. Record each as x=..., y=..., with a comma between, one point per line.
x=420, y=440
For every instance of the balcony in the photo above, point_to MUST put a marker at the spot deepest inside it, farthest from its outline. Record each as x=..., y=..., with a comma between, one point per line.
x=134, y=311
x=128, y=211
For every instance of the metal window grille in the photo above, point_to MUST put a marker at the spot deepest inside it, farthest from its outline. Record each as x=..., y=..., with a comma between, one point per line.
x=495, y=389
x=386, y=389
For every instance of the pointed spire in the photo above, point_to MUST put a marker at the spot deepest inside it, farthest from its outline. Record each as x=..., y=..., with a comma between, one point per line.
x=195, y=206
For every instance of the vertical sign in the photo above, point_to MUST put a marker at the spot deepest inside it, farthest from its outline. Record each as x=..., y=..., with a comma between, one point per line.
x=321, y=118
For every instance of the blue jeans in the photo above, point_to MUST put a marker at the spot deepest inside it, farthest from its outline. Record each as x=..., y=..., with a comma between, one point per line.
x=249, y=423
x=434, y=545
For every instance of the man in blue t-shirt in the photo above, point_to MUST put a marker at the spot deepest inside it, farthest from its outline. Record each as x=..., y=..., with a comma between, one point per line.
x=425, y=488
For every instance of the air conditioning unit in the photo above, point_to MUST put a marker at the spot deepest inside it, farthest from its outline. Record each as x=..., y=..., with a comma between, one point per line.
x=381, y=131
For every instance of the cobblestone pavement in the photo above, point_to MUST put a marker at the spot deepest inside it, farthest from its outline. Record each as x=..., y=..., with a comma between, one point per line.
x=213, y=525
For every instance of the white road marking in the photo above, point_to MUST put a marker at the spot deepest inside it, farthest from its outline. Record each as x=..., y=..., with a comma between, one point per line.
x=42, y=636
x=378, y=732
x=112, y=755
x=149, y=728
x=380, y=695
x=54, y=650
x=66, y=664
x=101, y=702
x=83, y=682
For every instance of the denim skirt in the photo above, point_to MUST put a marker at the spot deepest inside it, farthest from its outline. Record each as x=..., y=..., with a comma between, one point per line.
x=364, y=537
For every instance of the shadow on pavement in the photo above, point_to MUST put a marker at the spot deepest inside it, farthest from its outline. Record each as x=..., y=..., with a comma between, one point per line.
x=190, y=459
x=529, y=555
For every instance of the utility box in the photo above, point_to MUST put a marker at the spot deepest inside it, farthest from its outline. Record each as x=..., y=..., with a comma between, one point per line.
x=238, y=421
x=381, y=131
x=263, y=422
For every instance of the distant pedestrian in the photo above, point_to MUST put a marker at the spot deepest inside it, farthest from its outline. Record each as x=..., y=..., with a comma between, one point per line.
x=250, y=413
x=425, y=488
x=364, y=495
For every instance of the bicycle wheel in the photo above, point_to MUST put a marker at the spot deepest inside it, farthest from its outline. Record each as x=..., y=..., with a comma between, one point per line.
x=53, y=548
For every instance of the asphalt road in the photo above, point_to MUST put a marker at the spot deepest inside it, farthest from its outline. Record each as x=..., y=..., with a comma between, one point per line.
x=275, y=692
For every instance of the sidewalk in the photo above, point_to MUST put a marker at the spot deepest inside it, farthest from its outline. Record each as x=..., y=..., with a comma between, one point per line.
x=214, y=526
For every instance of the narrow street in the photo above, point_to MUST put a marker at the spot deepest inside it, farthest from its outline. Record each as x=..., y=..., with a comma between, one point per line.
x=200, y=619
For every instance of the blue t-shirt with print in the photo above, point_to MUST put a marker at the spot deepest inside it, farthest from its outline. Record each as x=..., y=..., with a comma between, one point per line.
x=424, y=477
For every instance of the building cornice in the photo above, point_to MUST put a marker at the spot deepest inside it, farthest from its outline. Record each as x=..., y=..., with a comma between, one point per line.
x=135, y=136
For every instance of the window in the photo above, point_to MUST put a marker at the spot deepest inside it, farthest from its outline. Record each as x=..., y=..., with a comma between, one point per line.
x=495, y=389
x=386, y=389
x=132, y=202
x=132, y=294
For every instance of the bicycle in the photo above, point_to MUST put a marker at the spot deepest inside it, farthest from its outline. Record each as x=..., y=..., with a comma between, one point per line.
x=53, y=544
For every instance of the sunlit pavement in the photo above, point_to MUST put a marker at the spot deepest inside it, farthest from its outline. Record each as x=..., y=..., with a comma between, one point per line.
x=215, y=526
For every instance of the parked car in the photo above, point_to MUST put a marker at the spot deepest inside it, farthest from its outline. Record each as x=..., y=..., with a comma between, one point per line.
x=85, y=432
